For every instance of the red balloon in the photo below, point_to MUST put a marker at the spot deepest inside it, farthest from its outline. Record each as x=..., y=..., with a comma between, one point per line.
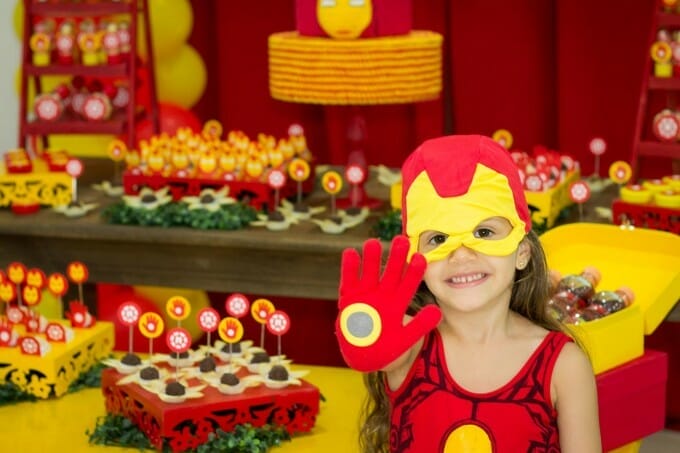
x=172, y=117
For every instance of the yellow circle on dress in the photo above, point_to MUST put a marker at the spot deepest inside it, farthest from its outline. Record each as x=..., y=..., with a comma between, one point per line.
x=360, y=308
x=468, y=439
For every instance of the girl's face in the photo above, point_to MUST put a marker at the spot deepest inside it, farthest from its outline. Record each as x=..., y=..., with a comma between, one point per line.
x=468, y=280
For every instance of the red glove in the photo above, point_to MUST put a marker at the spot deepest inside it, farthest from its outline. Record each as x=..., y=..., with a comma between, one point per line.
x=370, y=324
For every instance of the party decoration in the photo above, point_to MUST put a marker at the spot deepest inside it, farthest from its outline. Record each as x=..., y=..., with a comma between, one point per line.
x=77, y=272
x=620, y=172
x=171, y=118
x=128, y=315
x=178, y=308
x=504, y=137
x=278, y=324
x=276, y=180
x=16, y=273
x=355, y=175
x=151, y=325
x=597, y=146
x=237, y=305
x=208, y=320
x=260, y=311
x=171, y=24
x=331, y=182
x=181, y=78
x=579, y=192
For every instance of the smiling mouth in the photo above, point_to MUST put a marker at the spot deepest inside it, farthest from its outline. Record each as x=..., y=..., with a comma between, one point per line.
x=467, y=278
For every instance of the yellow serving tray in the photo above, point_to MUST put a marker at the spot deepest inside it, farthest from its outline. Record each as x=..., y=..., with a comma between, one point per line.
x=647, y=261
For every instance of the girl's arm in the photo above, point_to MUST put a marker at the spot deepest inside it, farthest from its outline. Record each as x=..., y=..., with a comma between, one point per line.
x=575, y=397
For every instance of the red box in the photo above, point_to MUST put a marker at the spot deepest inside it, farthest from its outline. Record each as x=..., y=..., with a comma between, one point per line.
x=632, y=399
x=187, y=425
x=390, y=17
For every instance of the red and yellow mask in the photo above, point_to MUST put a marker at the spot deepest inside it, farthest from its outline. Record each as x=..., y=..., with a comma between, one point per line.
x=452, y=184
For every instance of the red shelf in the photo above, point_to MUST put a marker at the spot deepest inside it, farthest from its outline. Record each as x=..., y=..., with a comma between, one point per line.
x=664, y=83
x=103, y=70
x=123, y=121
x=668, y=19
x=659, y=149
x=83, y=9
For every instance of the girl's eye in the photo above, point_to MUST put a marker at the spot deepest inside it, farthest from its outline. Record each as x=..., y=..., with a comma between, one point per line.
x=483, y=233
x=437, y=239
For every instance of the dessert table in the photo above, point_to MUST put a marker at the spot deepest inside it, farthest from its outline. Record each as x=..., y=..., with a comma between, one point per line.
x=60, y=424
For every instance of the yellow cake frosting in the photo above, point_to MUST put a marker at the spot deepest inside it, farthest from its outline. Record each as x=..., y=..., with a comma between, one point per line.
x=383, y=70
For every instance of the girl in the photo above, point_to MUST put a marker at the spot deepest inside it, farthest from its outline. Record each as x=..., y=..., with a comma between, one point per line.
x=475, y=365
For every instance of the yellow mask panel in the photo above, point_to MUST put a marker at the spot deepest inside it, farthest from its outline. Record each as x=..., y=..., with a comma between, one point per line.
x=489, y=196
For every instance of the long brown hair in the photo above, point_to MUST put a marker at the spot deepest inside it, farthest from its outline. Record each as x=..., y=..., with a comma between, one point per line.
x=530, y=294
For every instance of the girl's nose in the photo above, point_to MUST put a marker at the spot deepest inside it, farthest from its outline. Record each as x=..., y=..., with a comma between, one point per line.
x=461, y=253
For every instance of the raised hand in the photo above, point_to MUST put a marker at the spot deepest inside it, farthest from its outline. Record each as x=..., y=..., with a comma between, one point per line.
x=370, y=323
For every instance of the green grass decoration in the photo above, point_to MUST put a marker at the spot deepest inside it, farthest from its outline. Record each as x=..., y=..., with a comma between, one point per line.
x=10, y=393
x=91, y=378
x=227, y=217
x=117, y=430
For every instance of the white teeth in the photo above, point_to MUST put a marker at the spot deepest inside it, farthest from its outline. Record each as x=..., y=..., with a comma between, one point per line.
x=467, y=278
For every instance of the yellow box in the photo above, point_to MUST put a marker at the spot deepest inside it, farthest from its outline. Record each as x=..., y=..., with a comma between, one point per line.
x=40, y=186
x=548, y=203
x=648, y=261
x=51, y=374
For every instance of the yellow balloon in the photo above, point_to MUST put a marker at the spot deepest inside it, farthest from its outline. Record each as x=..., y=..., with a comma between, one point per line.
x=18, y=19
x=181, y=78
x=82, y=145
x=160, y=295
x=171, y=23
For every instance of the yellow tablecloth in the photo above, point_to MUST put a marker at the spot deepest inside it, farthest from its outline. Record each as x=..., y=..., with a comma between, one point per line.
x=59, y=425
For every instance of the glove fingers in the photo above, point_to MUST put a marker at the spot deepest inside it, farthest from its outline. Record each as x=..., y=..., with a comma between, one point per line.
x=414, y=275
x=396, y=262
x=423, y=322
x=370, y=271
x=349, y=270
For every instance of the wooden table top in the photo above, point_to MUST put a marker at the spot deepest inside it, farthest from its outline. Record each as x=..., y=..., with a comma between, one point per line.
x=300, y=262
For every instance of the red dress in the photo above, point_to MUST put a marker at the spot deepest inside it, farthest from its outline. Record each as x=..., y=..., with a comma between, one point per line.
x=431, y=413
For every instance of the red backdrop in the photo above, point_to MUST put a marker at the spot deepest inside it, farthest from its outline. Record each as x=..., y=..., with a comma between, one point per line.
x=554, y=72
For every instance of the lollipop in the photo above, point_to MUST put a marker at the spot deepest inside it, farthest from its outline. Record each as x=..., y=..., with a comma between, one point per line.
x=299, y=171
x=208, y=320
x=579, y=192
x=276, y=180
x=331, y=182
x=151, y=325
x=77, y=272
x=230, y=331
x=260, y=311
x=16, y=273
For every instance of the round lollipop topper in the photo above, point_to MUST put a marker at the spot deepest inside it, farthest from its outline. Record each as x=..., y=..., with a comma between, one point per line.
x=504, y=137
x=597, y=146
x=261, y=309
x=212, y=129
x=298, y=169
x=31, y=295
x=57, y=284
x=579, y=192
x=231, y=330
x=128, y=313
x=178, y=340
x=208, y=319
x=661, y=52
x=278, y=322
x=237, y=305
x=77, y=272
x=178, y=308
x=276, y=179
x=151, y=324
x=7, y=292
x=355, y=174
x=620, y=172
x=117, y=150
x=16, y=272
x=331, y=182
x=665, y=126
x=74, y=167
x=295, y=129
x=36, y=277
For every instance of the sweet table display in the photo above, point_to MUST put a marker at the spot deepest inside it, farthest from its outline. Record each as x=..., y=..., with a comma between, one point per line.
x=43, y=357
x=179, y=399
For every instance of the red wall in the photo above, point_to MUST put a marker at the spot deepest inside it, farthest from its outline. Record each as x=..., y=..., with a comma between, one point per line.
x=554, y=72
